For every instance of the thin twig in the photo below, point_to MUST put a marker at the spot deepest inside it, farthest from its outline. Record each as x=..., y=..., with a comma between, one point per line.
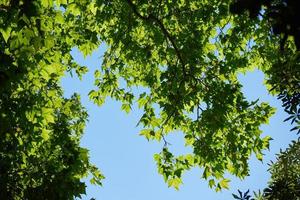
x=166, y=143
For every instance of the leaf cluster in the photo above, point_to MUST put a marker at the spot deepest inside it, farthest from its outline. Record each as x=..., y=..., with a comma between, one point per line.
x=188, y=54
x=40, y=130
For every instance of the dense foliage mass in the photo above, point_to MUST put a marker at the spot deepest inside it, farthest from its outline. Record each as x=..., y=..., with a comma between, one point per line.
x=40, y=130
x=284, y=80
x=187, y=54
x=284, y=74
x=285, y=180
x=283, y=15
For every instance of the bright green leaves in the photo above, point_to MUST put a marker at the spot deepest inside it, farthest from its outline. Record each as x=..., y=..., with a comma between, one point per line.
x=126, y=107
x=223, y=184
x=211, y=183
x=88, y=47
x=47, y=3
x=61, y=2
x=45, y=134
x=223, y=135
x=97, y=176
x=97, y=97
x=151, y=134
x=175, y=182
x=206, y=172
x=172, y=171
x=261, y=144
x=47, y=114
x=92, y=7
x=6, y=33
x=40, y=130
x=187, y=54
x=74, y=9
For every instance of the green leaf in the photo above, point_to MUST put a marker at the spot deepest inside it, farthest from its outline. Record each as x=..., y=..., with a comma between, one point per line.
x=211, y=183
x=206, y=172
x=97, y=74
x=224, y=183
x=45, y=134
x=146, y=133
x=59, y=2
x=87, y=48
x=175, y=182
x=46, y=3
x=259, y=156
x=126, y=107
x=6, y=33
x=74, y=9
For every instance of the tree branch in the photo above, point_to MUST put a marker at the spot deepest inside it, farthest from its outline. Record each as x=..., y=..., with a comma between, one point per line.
x=154, y=19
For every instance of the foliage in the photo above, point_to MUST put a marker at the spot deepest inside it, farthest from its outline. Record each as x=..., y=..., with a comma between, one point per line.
x=283, y=77
x=242, y=196
x=282, y=14
x=40, y=130
x=286, y=84
x=188, y=55
x=246, y=196
x=285, y=180
x=283, y=80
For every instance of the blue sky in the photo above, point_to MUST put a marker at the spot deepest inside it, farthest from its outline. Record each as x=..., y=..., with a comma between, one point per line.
x=126, y=159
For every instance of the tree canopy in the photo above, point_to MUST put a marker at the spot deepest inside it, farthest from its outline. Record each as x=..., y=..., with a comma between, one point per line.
x=40, y=129
x=185, y=54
